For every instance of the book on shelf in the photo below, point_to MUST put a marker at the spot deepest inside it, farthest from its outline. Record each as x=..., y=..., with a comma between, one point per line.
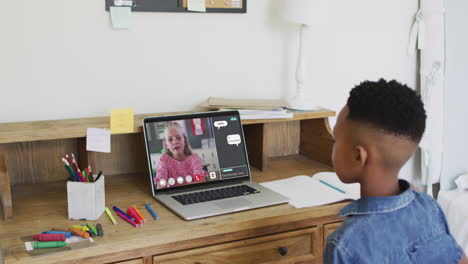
x=251, y=108
x=262, y=114
x=258, y=104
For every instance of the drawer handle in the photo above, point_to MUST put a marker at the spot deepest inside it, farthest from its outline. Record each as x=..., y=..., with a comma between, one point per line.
x=283, y=251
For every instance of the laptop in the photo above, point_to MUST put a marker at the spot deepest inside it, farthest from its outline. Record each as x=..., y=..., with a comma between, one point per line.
x=198, y=165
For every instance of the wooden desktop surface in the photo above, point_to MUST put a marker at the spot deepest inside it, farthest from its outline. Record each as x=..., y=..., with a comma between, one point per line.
x=41, y=207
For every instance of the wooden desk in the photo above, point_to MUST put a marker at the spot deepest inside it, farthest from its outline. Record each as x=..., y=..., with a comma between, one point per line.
x=32, y=185
x=255, y=235
x=30, y=152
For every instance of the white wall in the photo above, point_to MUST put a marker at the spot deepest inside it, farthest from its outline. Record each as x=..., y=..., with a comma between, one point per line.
x=456, y=93
x=62, y=59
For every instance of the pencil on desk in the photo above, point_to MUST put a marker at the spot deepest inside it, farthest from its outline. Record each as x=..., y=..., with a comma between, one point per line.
x=331, y=186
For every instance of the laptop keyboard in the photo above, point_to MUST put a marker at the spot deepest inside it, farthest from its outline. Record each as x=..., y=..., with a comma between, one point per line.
x=215, y=194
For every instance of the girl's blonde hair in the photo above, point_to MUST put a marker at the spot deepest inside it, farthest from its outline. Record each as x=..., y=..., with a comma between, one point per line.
x=187, y=147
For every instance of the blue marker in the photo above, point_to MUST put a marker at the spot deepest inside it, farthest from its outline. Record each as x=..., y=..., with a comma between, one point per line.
x=67, y=234
x=333, y=187
x=122, y=212
x=156, y=217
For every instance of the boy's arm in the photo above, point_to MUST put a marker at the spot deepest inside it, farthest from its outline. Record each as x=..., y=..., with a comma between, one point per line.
x=333, y=254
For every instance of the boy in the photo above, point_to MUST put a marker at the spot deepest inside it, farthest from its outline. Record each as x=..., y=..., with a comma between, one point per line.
x=375, y=135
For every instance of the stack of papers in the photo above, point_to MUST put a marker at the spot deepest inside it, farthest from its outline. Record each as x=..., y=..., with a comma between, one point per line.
x=251, y=108
x=263, y=114
x=322, y=188
x=260, y=104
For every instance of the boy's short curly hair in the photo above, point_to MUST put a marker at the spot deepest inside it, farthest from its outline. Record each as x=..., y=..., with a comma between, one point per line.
x=390, y=106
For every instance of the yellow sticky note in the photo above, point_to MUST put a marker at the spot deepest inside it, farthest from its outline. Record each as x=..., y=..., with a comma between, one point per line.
x=121, y=121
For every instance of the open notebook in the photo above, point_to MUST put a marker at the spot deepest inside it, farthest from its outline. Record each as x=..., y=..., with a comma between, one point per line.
x=321, y=188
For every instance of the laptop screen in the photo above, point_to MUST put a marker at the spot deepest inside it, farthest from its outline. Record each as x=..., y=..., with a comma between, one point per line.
x=194, y=149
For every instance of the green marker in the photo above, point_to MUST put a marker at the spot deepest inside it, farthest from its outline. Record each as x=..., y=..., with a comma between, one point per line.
x=50, y=244
x=92, y=228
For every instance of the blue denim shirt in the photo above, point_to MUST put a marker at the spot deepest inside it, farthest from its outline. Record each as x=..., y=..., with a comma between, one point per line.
x=406, y=228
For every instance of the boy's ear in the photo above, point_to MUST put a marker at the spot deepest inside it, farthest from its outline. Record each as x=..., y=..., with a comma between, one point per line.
x=361, y=155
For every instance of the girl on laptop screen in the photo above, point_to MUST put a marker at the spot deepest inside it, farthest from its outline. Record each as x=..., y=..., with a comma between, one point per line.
x=178, y=165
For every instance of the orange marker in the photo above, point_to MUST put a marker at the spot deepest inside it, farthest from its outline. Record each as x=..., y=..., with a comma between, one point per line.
x=78, y=232
x=139, y=214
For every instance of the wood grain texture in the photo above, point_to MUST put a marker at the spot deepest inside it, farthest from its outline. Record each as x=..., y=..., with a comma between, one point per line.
x=316, y=140
x=256, y=140
x=128, y=155
x=133, y=261
x=76, y=128
x=40, y=161
x=330, y=228
x=283, y=138
x=5, y=189
x=39, y=207
x=305, y=242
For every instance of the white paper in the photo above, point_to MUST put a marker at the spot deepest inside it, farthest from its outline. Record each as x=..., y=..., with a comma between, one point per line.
x=123, y=2
x=306, y=191
x=196, y=5
x=120, y=16
x=98, y=139
x=262, y=114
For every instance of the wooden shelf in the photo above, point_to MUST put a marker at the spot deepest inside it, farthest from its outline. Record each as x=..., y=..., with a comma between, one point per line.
x=39, y=207
x=76, y=128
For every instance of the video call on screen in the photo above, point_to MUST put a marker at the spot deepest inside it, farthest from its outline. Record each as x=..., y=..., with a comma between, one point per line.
x=198, y=150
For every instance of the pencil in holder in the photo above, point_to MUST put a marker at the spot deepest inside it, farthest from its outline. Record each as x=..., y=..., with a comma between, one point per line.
x=86, y=200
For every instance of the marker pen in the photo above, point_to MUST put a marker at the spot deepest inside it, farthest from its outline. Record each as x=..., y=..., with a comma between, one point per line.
x=117, y=210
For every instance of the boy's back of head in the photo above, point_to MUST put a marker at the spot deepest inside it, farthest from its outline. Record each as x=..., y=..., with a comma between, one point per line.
x=390, y=106
x=376, y=133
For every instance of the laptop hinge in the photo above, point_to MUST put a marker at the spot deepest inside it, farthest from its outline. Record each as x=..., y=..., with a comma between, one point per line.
x=205, y=187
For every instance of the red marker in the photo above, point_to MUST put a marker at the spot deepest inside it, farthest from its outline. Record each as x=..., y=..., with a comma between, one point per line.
x=138, y=213
x=135, y=216
x=49, y=237
x=127, y=219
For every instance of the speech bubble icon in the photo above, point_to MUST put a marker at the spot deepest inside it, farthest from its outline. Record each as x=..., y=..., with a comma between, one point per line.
x=220, y=124
x=233, y=139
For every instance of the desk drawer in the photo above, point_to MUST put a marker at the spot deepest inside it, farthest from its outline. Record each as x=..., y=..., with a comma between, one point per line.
x=133, y=261
x=328, y=229
x=302, y=244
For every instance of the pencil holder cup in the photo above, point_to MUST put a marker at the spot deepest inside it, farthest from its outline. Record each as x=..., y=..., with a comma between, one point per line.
x=86, y=200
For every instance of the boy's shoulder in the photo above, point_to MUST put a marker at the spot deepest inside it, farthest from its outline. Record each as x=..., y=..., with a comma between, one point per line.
x=390, y=225
x=416, y=205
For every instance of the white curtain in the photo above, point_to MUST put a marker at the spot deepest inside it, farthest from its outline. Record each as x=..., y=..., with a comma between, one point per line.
x=428, y=35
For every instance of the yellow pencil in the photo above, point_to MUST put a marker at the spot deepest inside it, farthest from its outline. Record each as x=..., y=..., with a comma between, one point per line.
x=108, y=212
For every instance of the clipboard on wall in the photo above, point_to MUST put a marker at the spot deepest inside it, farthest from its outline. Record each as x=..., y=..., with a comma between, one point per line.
x=212, y=6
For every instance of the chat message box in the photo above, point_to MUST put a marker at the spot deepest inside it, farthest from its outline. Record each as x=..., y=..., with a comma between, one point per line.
x=220, y=124
x=234, y=139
